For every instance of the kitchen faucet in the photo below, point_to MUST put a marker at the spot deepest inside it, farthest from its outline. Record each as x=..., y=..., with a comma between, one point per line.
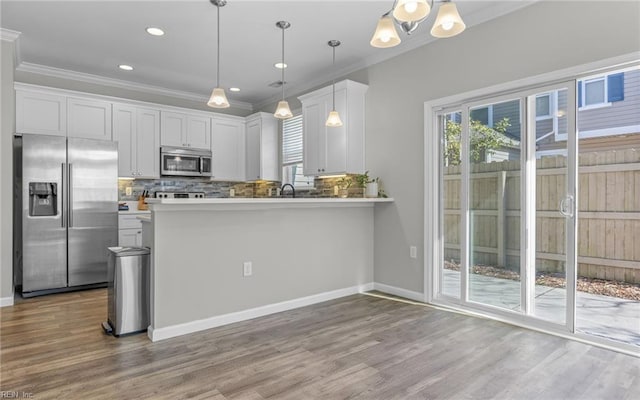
x=293, y=190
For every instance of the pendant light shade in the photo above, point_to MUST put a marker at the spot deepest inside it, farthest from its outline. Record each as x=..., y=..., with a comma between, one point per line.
x=218, y=98
x=448, y=23
x=385, y=34
x=333, y=120
x=283, y=111
x=411, y=10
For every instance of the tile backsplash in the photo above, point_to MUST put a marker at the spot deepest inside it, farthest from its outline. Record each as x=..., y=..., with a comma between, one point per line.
x=324, y=187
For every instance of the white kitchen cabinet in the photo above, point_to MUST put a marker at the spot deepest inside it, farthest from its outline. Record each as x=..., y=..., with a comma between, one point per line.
x=228, y=148
x=262, y=151
x=137, y=131
x=88, y=118
x=340, y=150
x=129, y=230
x=185, y=130
x=41, y=113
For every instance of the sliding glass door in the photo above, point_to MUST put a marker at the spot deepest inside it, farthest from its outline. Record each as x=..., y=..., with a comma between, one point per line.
x=507, y=226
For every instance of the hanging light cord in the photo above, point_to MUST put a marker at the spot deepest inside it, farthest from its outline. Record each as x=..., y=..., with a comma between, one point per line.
x=334, y=77
x=283, y=65
x=218, y=51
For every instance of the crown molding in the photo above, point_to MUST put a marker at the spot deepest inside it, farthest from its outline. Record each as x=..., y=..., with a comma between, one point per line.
x=118, y=83
x=8, y=35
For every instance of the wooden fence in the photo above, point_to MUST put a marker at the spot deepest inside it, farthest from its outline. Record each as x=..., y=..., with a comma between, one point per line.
x=608, y=217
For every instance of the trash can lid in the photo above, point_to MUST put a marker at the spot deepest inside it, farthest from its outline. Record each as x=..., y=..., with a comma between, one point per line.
x=129, y=251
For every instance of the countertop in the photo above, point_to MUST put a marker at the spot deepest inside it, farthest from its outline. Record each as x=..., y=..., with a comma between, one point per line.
x=239, y=203
x=133, y=208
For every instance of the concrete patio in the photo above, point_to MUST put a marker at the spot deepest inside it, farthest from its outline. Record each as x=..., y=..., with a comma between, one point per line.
x=607, y=317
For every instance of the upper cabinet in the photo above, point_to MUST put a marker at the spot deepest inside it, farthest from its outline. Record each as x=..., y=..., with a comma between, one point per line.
x=44, y=112
x=185, y=130
x=41, y=113
x=340, y=150
x=88, y=118
x=262, y=151
x=228, y=148
x=137, y=131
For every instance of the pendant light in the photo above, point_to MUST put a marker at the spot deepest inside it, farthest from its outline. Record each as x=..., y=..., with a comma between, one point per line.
x=411, y=10
x=385, y=34
x=218, y=98
x=283, y=111
x=448, y=23
x=334, y=118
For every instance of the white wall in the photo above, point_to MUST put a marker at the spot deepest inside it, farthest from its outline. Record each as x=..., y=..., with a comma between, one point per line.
x=7, y=127
x=544, y=37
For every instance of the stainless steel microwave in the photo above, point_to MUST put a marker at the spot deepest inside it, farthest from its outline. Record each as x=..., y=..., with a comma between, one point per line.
x=178, y=161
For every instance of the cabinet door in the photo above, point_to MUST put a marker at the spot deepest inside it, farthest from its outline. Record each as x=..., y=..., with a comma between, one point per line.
x=269, y=149
x=227, y=144
x=199, y=132
x=89, y=119
x=124, y=132
x=253, y=150
x=41, y=113
x=335, y=139
x=312, y=126
x=130, y=237
x=173, y=130
x=148, y=143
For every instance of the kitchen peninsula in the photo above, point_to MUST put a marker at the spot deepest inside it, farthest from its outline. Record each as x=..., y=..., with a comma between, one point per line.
x=219, y=261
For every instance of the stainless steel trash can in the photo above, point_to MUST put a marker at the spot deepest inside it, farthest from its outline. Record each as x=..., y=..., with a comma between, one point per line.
x=127, y=290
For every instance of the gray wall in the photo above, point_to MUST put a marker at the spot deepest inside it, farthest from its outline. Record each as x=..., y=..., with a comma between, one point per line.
x=296, y=252
x=570, y=35
x=7, y=127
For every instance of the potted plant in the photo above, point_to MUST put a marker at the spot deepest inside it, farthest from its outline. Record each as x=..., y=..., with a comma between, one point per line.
x=344, y=184
x=369, y=185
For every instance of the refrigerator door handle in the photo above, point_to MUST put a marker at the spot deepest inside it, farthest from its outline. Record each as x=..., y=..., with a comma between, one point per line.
x=62, y=196
x=70, y=196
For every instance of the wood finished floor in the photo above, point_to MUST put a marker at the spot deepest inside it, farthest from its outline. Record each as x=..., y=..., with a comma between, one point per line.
x=358, y=347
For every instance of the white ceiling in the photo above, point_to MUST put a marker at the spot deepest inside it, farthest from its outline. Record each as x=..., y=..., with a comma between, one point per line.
x=94, y=37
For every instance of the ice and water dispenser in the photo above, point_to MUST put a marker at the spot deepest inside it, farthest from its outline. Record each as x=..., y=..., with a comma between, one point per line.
x=43, y=199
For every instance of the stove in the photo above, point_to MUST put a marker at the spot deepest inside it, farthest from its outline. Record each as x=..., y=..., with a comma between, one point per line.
x=179, y=195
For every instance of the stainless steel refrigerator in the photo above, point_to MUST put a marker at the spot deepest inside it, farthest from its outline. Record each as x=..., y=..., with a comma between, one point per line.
x=65, y=212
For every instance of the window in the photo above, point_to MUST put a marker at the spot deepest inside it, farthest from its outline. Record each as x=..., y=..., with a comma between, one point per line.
x=292, y=153
x=543, y=106
x=601, y=91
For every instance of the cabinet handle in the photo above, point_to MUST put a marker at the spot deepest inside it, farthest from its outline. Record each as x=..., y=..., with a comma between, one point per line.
x=139, y=231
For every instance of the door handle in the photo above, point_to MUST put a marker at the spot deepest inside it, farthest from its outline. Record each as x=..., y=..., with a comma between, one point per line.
x=70, y=210
x=61, y=191
x=566, y=206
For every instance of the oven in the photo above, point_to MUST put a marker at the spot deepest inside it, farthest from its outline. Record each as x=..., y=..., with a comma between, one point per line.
x=178, y=161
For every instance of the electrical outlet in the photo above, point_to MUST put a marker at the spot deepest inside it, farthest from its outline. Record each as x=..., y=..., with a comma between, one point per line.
x=128, y=191
x=232, y=192
x=413, y=252
x=270, y=192
x=247, y=268
x=336, y=190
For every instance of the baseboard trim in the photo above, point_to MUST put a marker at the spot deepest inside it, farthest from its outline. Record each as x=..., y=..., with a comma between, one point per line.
x=220, y=320
x=6, y=301
x=396, y=291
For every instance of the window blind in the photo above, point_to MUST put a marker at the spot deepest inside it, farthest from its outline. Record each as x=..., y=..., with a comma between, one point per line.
x=292, y=140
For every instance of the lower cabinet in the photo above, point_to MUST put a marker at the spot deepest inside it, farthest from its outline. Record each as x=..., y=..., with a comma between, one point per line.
x=129, y=230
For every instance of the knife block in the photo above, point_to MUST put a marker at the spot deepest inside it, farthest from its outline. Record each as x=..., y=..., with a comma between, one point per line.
x=142, y=205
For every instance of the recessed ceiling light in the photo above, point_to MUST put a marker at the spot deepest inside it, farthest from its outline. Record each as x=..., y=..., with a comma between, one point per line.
x=234, y=89
x=280, y=65
x=125, y=67
x=155, y=31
